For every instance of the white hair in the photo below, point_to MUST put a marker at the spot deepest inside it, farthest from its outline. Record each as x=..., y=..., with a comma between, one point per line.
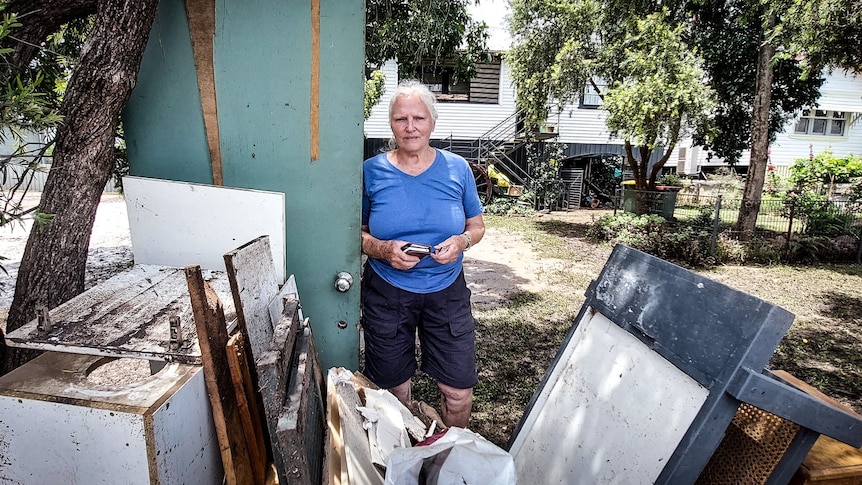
x=411, y=87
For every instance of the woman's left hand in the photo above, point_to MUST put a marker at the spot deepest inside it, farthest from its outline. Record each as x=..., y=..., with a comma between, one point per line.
x=449, y=250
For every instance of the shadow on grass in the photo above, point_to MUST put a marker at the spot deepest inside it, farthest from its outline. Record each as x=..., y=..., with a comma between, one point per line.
x=824, y=351
x=563, y=228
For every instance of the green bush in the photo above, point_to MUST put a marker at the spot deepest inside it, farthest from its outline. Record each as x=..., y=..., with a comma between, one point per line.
x=670, y=179
x=686, y=242
x=819, y=216
x=508, y=206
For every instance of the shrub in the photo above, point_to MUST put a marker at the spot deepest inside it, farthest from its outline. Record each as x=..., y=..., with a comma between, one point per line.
x=683, y=242
x=819, y=216
x=508, y=206
x=670, y=179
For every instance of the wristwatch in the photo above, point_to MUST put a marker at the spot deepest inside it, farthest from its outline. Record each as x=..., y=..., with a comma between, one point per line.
x=469, y=239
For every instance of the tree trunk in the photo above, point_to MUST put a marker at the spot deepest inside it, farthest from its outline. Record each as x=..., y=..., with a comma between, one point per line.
x=52, y=268
x=753, y=191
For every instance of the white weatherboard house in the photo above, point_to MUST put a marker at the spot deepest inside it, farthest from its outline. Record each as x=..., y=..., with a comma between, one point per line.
x=475, y=109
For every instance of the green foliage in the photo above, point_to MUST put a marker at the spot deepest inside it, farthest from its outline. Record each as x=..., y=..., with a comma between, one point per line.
x=825, y=169
x=508, y=206
x=671, y=179
x=687, y=242
x=854, y=195
x=374, y=87
x=416, y=31
x=819, y=216
x=662, y=91
x=555, y=51
x=25, y=101
x=727, y=34
x=655, y=91
x=543, y=160
x=829, y=32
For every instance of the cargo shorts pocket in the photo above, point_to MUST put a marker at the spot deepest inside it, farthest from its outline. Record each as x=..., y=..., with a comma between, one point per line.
x=381, y=313
x=461, y=320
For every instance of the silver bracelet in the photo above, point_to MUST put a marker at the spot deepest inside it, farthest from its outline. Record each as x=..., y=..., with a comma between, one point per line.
x=469, y=239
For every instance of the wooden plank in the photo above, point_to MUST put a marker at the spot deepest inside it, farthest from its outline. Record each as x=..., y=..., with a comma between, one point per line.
x=201, y=17
x=127, y=316
x=254, y=284
x=301, y=430
x=291, y=384
x=314, y=115
x=246, y=399
x=210, y=323
x=273, y=373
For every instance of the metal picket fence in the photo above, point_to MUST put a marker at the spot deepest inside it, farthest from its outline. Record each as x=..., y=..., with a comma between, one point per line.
x=836, y=224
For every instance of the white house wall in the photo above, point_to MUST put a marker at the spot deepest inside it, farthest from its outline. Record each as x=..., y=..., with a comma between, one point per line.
x=586, y=126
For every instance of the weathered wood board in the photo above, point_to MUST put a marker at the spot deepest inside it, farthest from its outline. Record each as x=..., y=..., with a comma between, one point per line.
x=227, y=414
x=254, y=284
x=127, y=316
x=248, y=402
x=291, y=387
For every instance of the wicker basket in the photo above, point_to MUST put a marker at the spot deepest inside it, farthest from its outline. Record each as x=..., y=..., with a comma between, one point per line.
x=752, y=447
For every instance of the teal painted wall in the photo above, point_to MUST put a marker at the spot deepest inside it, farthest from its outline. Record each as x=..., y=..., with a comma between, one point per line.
x=262, y=61
x=163, y=121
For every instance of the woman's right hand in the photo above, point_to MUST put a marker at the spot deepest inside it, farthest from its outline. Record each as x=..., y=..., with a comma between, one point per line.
x=397, y=258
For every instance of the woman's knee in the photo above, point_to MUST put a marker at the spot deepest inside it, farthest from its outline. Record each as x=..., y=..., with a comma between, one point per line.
x=454, y=394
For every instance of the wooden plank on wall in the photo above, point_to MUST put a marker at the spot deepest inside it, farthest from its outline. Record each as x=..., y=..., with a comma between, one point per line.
x=201, y=16
x=315, y=80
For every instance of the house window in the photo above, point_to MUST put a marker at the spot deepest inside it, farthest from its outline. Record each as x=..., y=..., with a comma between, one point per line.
x=442, y=82
x=590, y=97
x=821, y=123
x=484, y=88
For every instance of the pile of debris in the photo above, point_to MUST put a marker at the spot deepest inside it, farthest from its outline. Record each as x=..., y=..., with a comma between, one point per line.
x=373, y=439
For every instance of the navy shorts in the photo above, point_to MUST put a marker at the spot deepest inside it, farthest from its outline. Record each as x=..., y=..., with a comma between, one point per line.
x=447, y=333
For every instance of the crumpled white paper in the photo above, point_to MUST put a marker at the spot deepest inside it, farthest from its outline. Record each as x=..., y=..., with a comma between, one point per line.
x=464, y=458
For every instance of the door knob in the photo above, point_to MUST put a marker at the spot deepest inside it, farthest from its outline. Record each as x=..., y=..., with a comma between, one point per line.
x=343, y=281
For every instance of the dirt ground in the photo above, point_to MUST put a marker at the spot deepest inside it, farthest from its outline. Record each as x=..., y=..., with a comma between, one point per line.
x=110, y=247
x=524, y=266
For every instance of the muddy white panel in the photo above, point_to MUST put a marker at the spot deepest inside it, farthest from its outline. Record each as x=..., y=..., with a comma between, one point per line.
x=178, y=224
x=58, y=424
x=45, y=442
x=619, y=410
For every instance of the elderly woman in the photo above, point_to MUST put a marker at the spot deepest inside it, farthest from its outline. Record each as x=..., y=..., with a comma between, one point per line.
x=417, y=194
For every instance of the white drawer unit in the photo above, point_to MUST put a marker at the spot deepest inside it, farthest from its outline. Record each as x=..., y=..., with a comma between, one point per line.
x=85, y=419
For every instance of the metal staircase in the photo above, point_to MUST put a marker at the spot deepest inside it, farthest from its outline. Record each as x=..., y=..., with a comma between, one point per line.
x=498, y=145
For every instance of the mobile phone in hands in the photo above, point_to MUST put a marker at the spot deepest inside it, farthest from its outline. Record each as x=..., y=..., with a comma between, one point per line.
x=417, y=249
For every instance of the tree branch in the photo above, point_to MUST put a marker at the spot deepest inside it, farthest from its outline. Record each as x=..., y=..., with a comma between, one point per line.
x=39, y=18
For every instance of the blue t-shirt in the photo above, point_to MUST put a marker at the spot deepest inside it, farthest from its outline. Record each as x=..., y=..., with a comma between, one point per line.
x=427, y=208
